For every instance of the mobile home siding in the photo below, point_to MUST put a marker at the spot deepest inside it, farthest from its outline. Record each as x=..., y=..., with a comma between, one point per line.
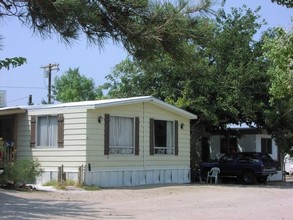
x=83, y=145
x=142, y=168
x=144, y=160
x=71, y=155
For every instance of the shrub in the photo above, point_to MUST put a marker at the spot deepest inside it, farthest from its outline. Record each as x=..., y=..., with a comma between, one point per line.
x=20, y=172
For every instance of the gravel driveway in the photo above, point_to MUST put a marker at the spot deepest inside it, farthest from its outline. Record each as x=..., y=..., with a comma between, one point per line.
x=198, y=201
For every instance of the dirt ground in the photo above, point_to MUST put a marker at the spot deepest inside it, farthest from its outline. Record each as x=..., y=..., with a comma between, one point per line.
x=192, y=201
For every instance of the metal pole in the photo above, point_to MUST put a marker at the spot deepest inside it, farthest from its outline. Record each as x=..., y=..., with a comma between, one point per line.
x=50, y=67
x=49, y=84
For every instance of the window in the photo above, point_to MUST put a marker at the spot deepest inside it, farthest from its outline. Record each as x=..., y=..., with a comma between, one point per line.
x=266, y=145
x=228, y=145
x=121, y=135
x=163, y=137
x=47, y=131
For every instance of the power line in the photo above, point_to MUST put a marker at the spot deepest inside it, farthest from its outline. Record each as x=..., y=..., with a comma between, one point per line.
x=22, y=87
x=18, y=99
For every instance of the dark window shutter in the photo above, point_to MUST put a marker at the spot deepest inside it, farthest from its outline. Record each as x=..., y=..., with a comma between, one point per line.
x=33, y=131
x=107, y=134
x=270, y=146
x=152, y=136
x=176, y=137
x=60, y=119
x=263, y=145
x=266, y=145
x=136, y=136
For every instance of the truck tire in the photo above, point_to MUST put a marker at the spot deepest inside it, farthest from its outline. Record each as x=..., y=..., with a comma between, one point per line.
x=248, y=177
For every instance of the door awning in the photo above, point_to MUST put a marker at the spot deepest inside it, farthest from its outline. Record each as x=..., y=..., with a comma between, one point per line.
x=12, y=111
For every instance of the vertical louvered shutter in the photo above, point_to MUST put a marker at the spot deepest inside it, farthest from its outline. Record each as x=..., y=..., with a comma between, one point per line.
x=176, y=137
x=60, y=119
x=136, y=150
x=33, y=132
x=106, y=134
x=152, y=136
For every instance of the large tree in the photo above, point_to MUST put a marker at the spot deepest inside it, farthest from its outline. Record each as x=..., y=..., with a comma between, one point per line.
x=220, y=80
x=73, y=87
x=142, y=26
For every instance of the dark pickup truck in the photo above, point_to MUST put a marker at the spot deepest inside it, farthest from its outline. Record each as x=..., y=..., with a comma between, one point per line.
x=247, y=167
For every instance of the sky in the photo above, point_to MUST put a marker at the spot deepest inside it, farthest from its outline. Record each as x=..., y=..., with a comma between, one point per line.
x=95, y=63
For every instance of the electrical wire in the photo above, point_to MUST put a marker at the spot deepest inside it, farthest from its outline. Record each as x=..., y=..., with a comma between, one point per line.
x=18, y=99
x=21, y=87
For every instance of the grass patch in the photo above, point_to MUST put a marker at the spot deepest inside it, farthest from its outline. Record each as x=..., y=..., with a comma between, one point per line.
x=62, y=185
x=90, y=188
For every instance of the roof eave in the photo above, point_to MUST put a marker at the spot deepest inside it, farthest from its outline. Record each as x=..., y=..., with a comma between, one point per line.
x=149, y=99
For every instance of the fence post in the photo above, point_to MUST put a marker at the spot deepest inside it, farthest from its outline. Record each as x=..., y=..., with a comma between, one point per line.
x=80, y=175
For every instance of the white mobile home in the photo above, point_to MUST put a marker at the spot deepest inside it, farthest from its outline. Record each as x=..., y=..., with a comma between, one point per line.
x=120, y=142
x=245, y=140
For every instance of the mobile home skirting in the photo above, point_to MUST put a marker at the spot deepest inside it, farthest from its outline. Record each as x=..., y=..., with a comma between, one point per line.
x=137, y=177
x=120, y=178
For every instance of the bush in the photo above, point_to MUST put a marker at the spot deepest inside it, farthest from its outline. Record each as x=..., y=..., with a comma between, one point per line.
x=20, y=173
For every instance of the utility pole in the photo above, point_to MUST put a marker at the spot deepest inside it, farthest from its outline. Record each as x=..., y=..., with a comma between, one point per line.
x=48, y=69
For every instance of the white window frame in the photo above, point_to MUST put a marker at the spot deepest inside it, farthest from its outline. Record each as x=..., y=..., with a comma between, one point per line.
x=115, y=148
x=47, y=131
x=165, y=150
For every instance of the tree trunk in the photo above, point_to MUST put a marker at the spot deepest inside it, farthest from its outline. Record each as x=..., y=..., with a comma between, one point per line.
x=197, y=131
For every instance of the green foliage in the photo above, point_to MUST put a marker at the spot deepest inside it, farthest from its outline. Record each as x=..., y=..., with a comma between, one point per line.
x=287, y=3
x=62, y=185
x=72, y=87
x=12, y=62
x=90, y=188
x=142, y=26
x=279, y=52
x=238, y=70
x=20, y=172
x=221, y=80
x=278, y=49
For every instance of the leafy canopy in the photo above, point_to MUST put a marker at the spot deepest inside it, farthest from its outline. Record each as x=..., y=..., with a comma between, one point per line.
x=287, y=3
x=278, y=50
x=73, y=87
x=12, y=62
x=7, y=63
x=221, y=80
x=142, y=26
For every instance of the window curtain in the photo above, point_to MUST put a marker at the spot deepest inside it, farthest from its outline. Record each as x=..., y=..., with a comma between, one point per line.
x=52, y=131
x=170, y=134
x=121, y=131
x=47, y=131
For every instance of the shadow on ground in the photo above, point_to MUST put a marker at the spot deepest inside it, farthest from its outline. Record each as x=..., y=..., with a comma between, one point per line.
x=17, y=208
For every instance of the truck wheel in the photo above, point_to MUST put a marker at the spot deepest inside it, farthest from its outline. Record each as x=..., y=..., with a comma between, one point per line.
x=248, y=177
x=262, y=179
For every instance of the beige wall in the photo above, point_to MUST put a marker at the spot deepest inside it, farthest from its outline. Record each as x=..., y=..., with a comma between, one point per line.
x=144, y=111
x=84, y=140
x=71, y=156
